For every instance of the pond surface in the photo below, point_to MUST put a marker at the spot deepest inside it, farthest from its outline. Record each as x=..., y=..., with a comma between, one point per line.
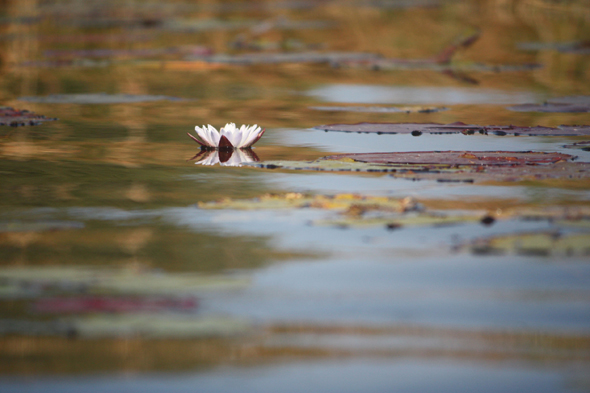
x=124, y=266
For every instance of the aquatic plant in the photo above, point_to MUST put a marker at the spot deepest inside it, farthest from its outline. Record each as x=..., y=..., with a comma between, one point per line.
x=228, y=137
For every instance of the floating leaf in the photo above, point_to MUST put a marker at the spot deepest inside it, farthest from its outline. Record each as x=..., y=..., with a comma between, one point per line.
x=353, y=209
x=584, y=145
x=380, y=109
x=275, y=58
x=563, y=104
x=478, y=158
x=38, y=226
x=116, y=304
x=534, y=244
x=118, y=280
x=127, y=53
x=450, y=166
x=418, y=129
x=326, y=202
x=96, y=98
x=16, y=117
x=144, y=325
x=577, y=47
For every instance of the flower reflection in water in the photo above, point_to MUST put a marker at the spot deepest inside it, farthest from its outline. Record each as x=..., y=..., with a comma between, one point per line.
x=225, y=157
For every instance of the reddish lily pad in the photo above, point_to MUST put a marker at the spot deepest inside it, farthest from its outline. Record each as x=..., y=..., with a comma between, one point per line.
x=557, y=105
x=15, y=117
x=450, y=166
x=478, y=158
x=417, y=129
x=380, y=109
x=114, y=304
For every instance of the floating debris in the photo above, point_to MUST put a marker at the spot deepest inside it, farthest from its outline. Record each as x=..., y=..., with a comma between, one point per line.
x=96, y=98
x=571, y=104
x=20, y=117
x=455, y=128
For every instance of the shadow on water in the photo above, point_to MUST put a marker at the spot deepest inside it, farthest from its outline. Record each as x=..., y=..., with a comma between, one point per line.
x=131, y=260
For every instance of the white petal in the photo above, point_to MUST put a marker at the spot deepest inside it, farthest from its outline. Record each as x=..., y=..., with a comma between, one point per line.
x=202, y=134
x=244, y=130
x=252, y=135
x=232, y=134
x=214, y=135
x=205, y=135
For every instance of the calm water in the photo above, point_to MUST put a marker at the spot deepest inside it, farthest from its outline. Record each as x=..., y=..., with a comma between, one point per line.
x=113, y=279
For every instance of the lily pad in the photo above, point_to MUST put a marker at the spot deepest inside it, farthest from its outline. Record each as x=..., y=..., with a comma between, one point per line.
x=477, y=158
x=450, y=166
x=276, y=58
x=144, y=325
x=380, y=109
x=118, y=281
x=550, y=243
x=571, y=104
x=38, y=226
x=96, y=98
x=20, y=117
x=577, y=47
x=417, y=129
x=292, y=200
x=127, y=53
x=353, y=209
x=584, y=145
x=114, y=304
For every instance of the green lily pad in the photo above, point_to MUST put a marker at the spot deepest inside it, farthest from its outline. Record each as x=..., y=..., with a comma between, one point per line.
x=119, y=280
x=534, y=244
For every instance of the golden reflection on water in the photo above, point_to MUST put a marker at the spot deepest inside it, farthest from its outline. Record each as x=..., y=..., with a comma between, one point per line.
x=131, y=157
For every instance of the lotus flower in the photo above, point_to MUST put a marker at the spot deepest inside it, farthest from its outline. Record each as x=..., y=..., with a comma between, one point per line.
x=229, y=137
x=225, y=157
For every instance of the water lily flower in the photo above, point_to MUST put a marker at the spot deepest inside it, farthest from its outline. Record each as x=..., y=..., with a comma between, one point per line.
x=228, y=137
x=225, y=157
